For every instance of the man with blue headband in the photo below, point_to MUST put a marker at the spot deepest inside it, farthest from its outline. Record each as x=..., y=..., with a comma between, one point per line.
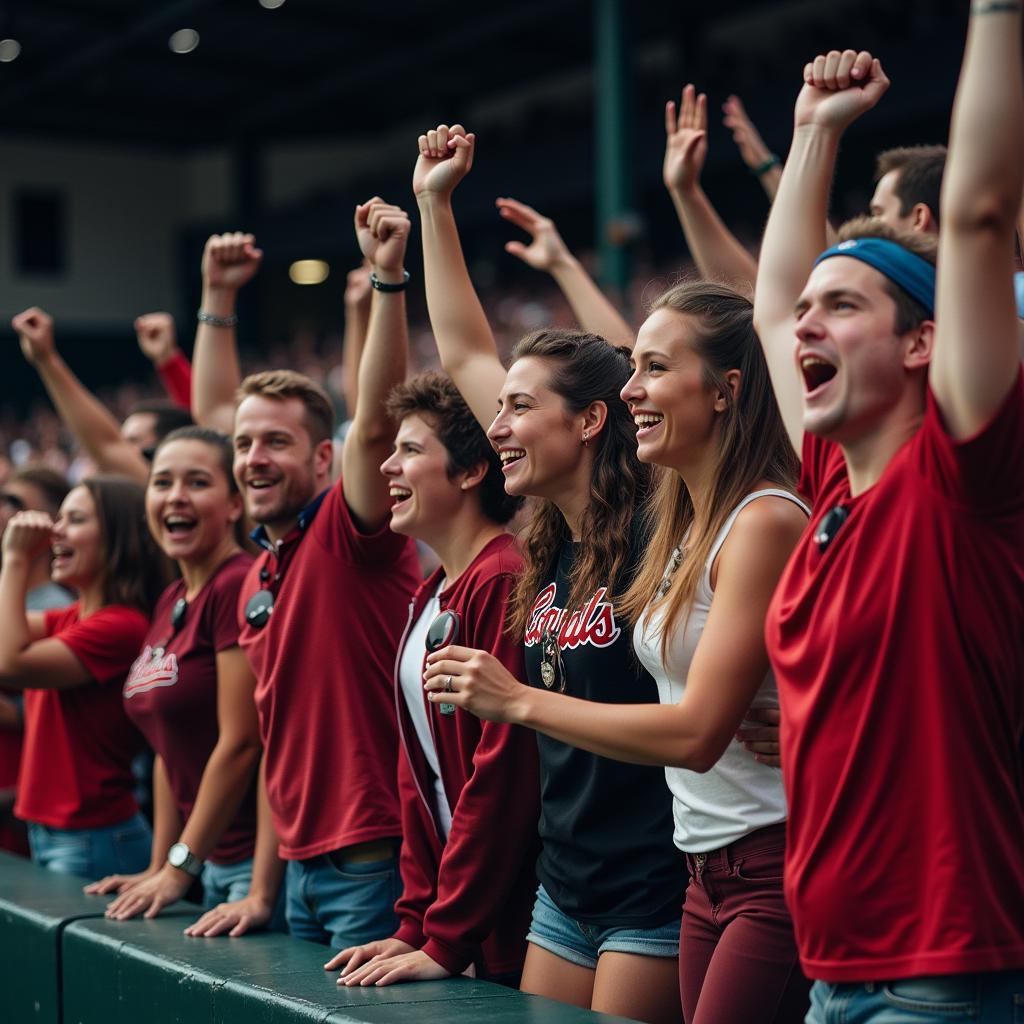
x=897, y=630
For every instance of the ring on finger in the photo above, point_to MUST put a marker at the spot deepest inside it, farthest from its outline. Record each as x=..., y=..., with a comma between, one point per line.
x=448, y=684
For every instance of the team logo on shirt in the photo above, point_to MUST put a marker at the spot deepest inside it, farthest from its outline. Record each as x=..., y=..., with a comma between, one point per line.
x=593, y=624
x=152, y=668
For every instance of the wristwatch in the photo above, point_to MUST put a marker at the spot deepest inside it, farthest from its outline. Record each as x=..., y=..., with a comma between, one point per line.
x=181, y=857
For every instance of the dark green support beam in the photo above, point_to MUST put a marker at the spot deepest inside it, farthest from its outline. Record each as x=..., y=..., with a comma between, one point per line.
x=615, y=219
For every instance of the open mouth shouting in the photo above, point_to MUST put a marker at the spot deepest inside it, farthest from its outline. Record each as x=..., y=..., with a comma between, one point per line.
x=510, y=456
x=62, y=555
x=179, y=525
x=817, y=373
x=399, y=495
x=646, y=422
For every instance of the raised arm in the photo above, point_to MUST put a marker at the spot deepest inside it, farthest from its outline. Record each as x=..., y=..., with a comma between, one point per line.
x=357, y=319
x=465, y=343
x=86, y=417
x=229, y=262
x=715, y=249
x=383, y=233
x=28, y=660
x=976, y=358
x=760, y=160
x=837, y=89
x=155, y=335
x=547, y=252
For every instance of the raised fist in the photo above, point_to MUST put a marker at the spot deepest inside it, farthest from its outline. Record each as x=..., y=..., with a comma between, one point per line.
x=230, y=260
x=546, y=249
x=686, y=140
x=383, y=233
x=838, y=88
x=155, y=334
x=28, y=533
x=357, y=286
x=34, y=328
x=446, y=155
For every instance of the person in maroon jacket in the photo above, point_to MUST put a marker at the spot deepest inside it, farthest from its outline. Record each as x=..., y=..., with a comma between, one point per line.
x=467, y=886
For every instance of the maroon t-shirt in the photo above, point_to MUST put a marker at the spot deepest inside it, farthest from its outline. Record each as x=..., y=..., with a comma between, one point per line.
x=171, y=694
x=323, y=665
x=899, y=657
x=76, y=766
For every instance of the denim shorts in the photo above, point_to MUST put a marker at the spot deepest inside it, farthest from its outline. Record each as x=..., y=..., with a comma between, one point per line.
x=582, y=944
x=93, y=853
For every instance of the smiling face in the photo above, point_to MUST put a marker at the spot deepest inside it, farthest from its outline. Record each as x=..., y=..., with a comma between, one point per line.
x=539, y=443
x=77, y=545
x=139, y=430
x=672, y=403
x=190, y=508
x=848, y=353
x=277, y=467
x=424, y=498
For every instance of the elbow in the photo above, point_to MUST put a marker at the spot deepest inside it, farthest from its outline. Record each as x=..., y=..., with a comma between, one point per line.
x=700, y=755
x=980, y=212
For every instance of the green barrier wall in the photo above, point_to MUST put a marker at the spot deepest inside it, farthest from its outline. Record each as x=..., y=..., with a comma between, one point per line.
x=61, y=962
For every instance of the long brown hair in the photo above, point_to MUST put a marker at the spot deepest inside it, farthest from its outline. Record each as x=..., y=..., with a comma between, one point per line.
x=752, y=446
x=584, y=369
x=137, y=571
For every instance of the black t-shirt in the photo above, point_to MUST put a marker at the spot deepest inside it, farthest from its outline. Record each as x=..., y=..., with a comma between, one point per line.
x=606, y=827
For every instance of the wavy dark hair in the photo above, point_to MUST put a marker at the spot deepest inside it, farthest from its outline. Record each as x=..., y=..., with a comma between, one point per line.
x=585, y=369
x=437, y=399
x=137, y=571
x=752, y=446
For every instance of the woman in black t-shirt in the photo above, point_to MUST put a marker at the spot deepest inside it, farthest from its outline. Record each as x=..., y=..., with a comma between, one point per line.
x=606, y=922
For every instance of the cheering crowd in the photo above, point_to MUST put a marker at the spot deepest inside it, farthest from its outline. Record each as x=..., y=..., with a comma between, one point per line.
x=710, y=705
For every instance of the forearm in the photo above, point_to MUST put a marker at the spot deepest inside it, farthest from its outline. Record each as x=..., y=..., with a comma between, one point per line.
x=770, y=181
x=89, y=420
x=268, y=868
x=225, y=782
x=650, y=734
x=715, y=249
x=593, y=310
x=357, y=320
x=985, y=170
x=216, y=373
x=460, y=326
x=383, y=362
x=166, y=819
x=14, y=636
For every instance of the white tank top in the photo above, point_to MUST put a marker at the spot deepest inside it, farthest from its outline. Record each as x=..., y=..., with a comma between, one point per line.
x=738, y=795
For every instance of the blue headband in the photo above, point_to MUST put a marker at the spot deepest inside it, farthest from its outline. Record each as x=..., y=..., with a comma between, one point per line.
x=912, y=273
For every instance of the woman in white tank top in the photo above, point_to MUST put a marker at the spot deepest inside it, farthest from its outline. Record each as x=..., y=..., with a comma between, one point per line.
x=724, y=518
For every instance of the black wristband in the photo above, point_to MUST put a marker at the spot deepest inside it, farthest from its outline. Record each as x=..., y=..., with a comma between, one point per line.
x=383, y=286
x=772, y=161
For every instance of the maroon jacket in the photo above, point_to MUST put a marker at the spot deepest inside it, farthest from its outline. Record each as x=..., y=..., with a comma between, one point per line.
x=469, y=900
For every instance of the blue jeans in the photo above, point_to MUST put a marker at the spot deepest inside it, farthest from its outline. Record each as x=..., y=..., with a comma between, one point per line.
x=583, y=944
x=342, y=904
x=92, y=853
x=226, y=883
x=996, y=998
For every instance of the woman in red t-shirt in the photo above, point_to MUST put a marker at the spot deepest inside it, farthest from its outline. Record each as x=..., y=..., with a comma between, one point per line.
x=76, y=778
x=190, y=691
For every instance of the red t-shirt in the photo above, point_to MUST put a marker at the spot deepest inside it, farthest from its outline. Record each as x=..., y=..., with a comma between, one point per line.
x=76, y=767
x=323, y=666
x=899, y=656
x=172, y=696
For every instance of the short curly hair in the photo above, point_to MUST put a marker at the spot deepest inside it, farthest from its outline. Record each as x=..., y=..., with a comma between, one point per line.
x=434, y=396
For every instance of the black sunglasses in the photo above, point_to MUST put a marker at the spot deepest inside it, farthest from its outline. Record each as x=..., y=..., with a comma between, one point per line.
x=178, y=613
x=444, y=630
x=829, y=526
x=258, y=608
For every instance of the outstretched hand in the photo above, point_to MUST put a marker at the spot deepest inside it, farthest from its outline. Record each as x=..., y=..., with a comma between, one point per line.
x=230, y=260
x=446, y=156
x=745, y=134
x=34, y=328
x=383, y=233
x=155, y=335
x=546, y=249
x=686, y=140
x=839, y=88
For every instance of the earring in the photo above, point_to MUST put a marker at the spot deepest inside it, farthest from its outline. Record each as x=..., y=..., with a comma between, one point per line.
x=586, y=438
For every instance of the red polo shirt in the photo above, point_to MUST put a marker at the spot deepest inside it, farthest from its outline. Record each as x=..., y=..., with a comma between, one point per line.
x=323, y=667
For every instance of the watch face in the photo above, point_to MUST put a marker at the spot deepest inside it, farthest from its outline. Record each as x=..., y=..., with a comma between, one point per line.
x=177, y=855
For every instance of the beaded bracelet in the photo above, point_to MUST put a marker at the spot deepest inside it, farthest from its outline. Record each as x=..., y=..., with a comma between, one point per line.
x=216, y=321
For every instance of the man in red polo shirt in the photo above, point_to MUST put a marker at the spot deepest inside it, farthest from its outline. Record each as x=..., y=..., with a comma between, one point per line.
x=322, y=611
x=897, y=630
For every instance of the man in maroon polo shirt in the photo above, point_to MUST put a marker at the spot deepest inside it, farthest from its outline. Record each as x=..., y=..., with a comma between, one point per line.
x=322, y=610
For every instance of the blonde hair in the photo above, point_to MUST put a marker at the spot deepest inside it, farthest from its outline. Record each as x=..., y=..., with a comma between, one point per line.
x=280, y=385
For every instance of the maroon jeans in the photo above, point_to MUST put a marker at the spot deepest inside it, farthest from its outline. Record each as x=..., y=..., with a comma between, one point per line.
x=737, y=955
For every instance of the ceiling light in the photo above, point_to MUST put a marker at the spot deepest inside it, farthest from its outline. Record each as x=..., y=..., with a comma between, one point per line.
x=271, y=5
x=9, y=50
x=309, y=271
x=185, y=40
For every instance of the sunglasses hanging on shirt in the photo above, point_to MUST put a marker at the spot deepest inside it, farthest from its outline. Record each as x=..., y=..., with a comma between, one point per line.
x=829, y=526
x=178, y=613
x=444, y=630
x=259, y=607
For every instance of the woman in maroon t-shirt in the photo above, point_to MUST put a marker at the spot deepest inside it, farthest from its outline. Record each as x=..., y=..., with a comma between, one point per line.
x=76, y=779
x=190, y=691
